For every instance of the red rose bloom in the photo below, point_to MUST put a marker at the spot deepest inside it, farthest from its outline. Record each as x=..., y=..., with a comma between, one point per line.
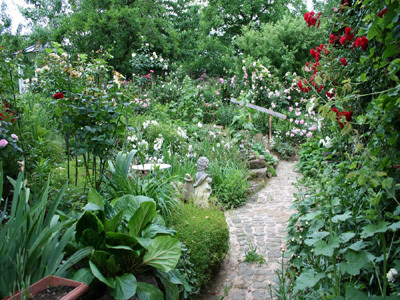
x=364, y=43
x=343, y=61
x=381, y=13
x=58, y=96
x=342, y=40
x=357, y=42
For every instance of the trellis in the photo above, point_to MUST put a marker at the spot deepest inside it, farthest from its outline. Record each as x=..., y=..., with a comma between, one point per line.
x=264, y=110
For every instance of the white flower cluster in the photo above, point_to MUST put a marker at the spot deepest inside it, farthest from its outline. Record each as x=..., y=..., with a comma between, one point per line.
x=391, y=275
x=182, y=133
x=326, y=142
x=147, y=123
x=158, y=142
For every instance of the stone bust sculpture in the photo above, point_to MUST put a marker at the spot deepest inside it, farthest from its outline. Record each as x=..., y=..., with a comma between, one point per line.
x=202, y=166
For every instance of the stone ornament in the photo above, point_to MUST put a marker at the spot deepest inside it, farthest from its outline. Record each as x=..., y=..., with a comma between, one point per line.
x=202, y=188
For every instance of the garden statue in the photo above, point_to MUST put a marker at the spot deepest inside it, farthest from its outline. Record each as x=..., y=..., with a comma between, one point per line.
x=202, y=188
x=188, y=188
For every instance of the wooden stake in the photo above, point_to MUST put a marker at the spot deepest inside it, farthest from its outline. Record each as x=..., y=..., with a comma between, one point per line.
x=250, y=119
x=270, y=128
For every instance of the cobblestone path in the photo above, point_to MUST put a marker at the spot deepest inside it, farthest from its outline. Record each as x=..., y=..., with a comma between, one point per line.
x=262, y=223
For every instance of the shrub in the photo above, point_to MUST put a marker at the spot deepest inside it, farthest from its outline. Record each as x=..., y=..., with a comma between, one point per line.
x=206, y=235
x=229, y=183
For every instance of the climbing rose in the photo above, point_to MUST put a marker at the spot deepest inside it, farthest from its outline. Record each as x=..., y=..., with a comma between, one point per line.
x=349, y=35
x=342, y=40
x=357, y=42
x=58, y=96
x=364, y=43
x=343, y=61
x=3, y=143
x=381, y=13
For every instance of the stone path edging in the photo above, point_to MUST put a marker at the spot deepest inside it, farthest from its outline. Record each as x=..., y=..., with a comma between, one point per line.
x=261, y=222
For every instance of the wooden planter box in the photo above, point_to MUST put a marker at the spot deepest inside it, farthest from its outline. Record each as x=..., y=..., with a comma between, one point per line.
x=52, y=281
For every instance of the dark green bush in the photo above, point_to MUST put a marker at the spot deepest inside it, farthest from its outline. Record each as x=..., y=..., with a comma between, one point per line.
x=206, y=235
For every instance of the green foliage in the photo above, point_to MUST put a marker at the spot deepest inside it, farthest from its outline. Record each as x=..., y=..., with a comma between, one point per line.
x=128, y=238
x=33, y=239
x=284, y=149
x=282, y=46
x=230, y=183
x=344, y=237
x=154, y=185
x=253, y=257
x=206, y=235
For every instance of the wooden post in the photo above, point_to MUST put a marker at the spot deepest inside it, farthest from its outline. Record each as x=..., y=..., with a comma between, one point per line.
x=270, y=129
x=250, y=119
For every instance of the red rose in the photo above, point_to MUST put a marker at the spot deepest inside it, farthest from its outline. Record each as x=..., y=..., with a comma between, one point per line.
x=364, y=43
x=381, y=13
x=342, y=40
x=329, y=95
x=357, y=42
x=58, y=96
x=343, y=61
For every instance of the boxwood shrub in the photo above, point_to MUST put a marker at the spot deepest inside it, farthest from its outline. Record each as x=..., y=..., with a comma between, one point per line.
x=206, y=235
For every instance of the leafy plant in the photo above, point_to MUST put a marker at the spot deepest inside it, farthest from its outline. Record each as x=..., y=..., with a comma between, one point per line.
x=32, y=239
x=230, y=183
x=128, y=238
x=284, y=149
x=154, y=185
x=253, y=257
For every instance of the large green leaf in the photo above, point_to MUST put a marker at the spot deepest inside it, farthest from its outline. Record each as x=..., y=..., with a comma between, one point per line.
x=96, y=272
x=163, y=253
x=307, y=279
x=129, y=204
x=84, y=275
x=153, y=229
x=342, y=217
x=355, y=261
x=147, y=291
x=171, y=288
x=111, y=225
x=355, y=294
x=142, y=217
x=88, y=221
x=125, y=287
x=315, y=237
x=119, y=238
x=322, y=248
x=371, y=229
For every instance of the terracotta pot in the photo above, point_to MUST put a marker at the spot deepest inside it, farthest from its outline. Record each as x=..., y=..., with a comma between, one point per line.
x=51, y=281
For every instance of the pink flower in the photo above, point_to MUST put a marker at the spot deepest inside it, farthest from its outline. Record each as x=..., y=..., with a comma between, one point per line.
x=151, y=71
x=298, y=113
x=290, y=109
x=14, y=136
x=288, y=133
x=216, y=92
x=309, y=134
x=292, y=135
x=297, y=122
x=291, y=120
x=3, y=143
x=301, y=122
x=221, y=80
x=273, y=105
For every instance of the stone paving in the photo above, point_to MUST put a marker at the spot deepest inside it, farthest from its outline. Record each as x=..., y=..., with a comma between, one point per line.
x=261, y=223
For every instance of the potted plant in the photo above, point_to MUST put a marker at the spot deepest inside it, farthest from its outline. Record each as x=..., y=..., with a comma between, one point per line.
x=52, y=281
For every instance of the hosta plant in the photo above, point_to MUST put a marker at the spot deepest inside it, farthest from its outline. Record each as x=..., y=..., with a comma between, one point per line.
x=129, y=239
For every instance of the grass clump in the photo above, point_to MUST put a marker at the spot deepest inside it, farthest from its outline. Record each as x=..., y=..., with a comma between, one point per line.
x=206, y=235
